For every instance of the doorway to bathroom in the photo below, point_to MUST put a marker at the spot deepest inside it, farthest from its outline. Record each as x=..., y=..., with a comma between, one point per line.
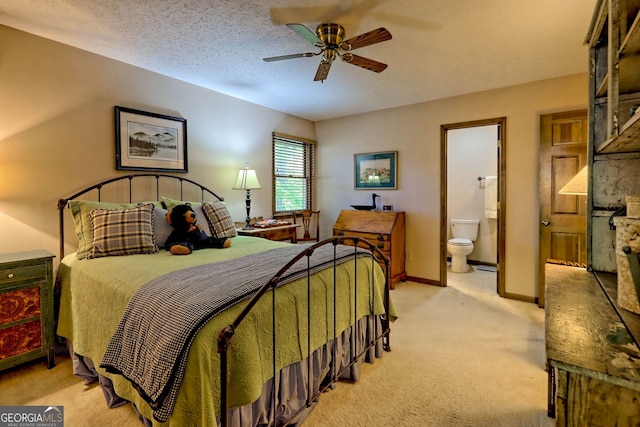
x=472, y=180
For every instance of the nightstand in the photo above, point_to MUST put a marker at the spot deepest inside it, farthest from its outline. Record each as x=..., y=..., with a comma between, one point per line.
x=279, y=233
x=26, y=308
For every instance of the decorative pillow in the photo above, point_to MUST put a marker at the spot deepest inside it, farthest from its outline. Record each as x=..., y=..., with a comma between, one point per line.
x=220, y=222
x=80, y=210
x=169, y=203
x=161, y=228
x=122, y=232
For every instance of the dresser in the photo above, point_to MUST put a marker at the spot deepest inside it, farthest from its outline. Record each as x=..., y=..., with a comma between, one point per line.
x=26, y=308
x=593, y=359
x=385, y=229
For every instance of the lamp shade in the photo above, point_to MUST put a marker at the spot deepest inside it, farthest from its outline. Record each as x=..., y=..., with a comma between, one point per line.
x=578, y=184
x=247, y=180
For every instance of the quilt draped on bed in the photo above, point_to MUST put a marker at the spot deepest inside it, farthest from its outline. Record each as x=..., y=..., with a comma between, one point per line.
x=149, y=347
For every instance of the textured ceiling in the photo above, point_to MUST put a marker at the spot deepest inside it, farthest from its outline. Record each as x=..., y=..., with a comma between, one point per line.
x=440, y=48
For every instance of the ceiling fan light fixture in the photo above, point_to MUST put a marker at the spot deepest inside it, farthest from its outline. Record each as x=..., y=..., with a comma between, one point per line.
x=329, y=55
x=329, y=38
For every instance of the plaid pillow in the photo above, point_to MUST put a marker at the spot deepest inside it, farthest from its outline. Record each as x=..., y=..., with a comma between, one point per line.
x=122, y=232
x=80, y=210
x=220, y=222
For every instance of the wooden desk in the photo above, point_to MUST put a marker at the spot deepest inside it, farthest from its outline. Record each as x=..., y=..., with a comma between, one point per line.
x=385, y=229
x=280, y=233
x=593, y=359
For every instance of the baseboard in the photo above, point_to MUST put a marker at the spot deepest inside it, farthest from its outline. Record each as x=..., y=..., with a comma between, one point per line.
x=519, y=297
x=473, y=262
x=424, y=281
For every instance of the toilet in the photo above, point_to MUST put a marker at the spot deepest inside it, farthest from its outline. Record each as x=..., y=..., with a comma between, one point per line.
x=464, y=232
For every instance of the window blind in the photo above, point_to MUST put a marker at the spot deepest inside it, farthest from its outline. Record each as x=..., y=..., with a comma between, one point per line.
x=293, y=173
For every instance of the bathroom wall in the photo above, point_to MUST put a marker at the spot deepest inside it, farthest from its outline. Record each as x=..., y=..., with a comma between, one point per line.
x=472, y=153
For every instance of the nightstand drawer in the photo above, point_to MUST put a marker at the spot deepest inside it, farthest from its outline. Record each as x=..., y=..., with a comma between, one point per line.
x=19, y=304
x=18, y=273
x=20, y=339
x=278, y=233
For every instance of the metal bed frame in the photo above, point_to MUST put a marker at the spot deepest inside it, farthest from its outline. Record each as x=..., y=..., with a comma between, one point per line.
x=63, y=203
x=227, y=333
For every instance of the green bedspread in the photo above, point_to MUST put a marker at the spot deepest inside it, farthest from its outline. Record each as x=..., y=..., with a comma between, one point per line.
x=95, y=293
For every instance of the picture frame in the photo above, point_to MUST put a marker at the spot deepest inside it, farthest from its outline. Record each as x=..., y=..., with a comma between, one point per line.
x=150, y=142
x=376, y=170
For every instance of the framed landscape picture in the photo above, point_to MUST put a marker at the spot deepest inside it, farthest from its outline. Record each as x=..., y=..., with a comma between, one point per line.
x=376, y=170
x=150, y=141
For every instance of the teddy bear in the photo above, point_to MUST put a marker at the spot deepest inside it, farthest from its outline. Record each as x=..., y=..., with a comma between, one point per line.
x=187, y=235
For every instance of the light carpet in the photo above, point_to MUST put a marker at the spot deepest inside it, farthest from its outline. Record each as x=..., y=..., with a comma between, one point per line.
x=461, y=356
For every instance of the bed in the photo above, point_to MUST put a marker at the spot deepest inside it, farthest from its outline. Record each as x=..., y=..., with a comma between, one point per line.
x=244, y=336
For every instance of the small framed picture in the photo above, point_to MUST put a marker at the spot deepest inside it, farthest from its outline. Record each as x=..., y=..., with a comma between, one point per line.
x=387, y=208
x=375, y=170
x=150, y=141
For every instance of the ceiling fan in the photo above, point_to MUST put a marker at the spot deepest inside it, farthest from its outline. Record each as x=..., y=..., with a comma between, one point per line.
x=329, y=38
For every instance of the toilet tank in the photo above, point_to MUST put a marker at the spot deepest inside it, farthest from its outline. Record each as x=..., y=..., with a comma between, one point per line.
x=465, y=228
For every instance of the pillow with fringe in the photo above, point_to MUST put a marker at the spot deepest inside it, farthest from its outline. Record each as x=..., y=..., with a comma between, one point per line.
x=119, y=232
x=220, y=222
x=80, y=210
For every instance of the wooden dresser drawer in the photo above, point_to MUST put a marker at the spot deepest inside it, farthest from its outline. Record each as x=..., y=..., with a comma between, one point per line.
x=10, y=274
x=20, y=339
x=20, y=304
x=279, y=233
x=382, y=241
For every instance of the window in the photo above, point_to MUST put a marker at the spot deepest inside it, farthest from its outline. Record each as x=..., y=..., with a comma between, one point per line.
x=293, y=173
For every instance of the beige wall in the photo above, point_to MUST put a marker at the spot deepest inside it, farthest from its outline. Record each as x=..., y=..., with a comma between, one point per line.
x=57, y=133
x=415, y=132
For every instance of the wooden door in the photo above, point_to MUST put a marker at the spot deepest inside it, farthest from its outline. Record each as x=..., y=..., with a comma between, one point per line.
x=562, y=226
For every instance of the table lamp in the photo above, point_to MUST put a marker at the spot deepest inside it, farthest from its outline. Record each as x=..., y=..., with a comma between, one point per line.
x=247, y=180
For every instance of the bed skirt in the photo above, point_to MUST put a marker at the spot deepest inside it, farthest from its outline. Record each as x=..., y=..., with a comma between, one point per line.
x=291, y=382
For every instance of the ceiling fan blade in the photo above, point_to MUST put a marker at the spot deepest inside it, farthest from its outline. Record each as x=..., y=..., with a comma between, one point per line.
x=323, y=71
x=371, y=37
x=306, y=33
x=295, y=55
x=360, y=61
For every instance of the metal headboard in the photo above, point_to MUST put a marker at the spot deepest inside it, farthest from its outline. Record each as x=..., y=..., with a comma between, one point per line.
x=63, y=203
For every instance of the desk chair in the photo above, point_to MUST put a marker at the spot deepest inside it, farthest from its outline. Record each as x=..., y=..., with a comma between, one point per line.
x=310, y=221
